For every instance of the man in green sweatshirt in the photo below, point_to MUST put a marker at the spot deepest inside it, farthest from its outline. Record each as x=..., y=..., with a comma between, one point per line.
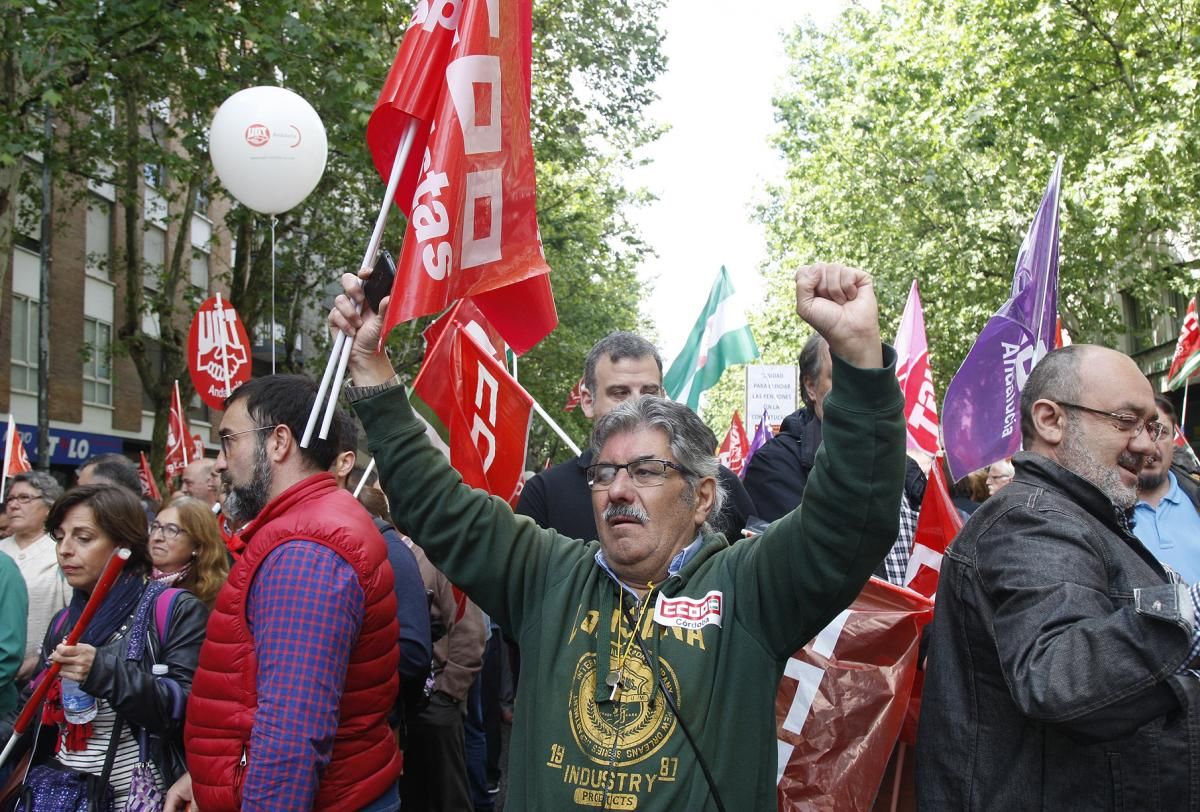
x=651, y=657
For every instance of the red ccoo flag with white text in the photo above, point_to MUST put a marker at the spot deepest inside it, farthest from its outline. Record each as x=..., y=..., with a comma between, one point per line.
x=149, y=487
x=916, y=377
x=736, y=446
x=468, y=189
x=179, y=437
x=478, y=415
x=937, y=525
x=1187, y=349
x=842, y=701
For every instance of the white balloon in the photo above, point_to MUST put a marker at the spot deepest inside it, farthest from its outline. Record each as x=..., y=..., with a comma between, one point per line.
x=268, y=147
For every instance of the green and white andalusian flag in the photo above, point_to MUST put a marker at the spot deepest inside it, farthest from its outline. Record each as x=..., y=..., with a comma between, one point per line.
x=720, y=339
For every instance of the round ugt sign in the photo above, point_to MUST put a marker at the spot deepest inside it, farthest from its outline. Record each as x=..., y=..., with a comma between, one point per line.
x=218, y=352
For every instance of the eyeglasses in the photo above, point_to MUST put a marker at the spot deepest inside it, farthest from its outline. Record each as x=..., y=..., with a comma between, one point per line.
x=20, y=499
x=169, y=531
x=1128, y=423
x=225, y=438
x=645, y=473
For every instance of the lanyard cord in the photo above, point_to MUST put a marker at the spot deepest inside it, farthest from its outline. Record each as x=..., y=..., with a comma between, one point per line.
x=622, y=655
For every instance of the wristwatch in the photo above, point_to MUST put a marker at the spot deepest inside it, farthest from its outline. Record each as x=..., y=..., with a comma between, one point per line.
x=357, y=393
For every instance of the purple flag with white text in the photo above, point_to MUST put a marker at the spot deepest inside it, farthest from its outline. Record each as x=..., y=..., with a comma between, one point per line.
x=981, y=415
x=762, y=433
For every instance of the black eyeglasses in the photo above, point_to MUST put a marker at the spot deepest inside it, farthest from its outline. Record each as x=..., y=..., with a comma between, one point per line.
x=645, y=473
x=225, y=438
x=20, y=499
x=169, y=531
x=1129, y=423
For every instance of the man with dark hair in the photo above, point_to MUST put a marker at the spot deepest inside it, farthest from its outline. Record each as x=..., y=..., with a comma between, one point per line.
x=619, y=367
x=651, y=657
x=778, y=472
x=115, y=469
x=1060, y=651
x=299, y=669
x=1167, y=515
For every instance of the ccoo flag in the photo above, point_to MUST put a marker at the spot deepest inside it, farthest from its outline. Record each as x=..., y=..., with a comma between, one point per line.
x=16, y=461
x=733, y=451
x=1187, y=350
x=468, y=188
x=981, y=414
x=916, y=378
x=720, y=339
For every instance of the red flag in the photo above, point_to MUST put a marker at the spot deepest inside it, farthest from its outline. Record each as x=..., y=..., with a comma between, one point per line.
x=471, y=197
x=1187, y=349
x=218, y=352
x=1061, y=337
x=937, y=526
x=575, y=397
x=842, y=700
x=735, y=447
x=479, y=413
x=179, y=437
x=916, y=378
x=149, y=486
x=16, y=461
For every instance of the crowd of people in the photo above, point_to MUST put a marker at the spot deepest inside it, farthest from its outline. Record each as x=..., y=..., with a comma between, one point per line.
x=275, y=643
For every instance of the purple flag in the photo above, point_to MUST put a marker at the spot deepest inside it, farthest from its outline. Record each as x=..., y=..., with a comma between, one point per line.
x=981, y=415
x=762, y=433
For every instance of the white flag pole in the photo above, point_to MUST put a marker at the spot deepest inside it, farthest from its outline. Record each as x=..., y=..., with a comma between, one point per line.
x=340, y=354
x=365, y=476
x=537, y=407
x=183, y=426
x=8, y=438
x=220, y=327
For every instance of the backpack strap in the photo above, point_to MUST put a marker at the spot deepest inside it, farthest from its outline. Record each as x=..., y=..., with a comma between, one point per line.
x=163, y=605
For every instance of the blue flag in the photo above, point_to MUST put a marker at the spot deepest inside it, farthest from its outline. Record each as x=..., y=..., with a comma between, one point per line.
x=981, y=415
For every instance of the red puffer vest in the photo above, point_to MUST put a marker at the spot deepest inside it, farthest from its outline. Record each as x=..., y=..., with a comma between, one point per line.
x=365, y=760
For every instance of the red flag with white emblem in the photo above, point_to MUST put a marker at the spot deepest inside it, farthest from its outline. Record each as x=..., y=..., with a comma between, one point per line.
x=575, y=397
x=149, y=486
x=736, y=446
x=179, y=437
x=16, y=461
x=937, y=525
x=470, y=198
x=1187, y=349
x=842, y=700
x=916, y=377
x=478, y=414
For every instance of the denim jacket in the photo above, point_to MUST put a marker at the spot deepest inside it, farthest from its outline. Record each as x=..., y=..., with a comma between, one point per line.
x=1051, y=680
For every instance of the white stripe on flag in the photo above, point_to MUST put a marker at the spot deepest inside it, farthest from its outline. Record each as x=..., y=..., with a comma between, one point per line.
x=922, y=555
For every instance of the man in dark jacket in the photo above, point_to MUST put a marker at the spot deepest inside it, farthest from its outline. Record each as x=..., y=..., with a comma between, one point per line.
x=778, y=471
x=619, y=367
x=1057, y=671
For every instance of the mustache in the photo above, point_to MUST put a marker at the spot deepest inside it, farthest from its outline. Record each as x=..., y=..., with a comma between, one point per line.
x=625, y=512
x=1134, y=462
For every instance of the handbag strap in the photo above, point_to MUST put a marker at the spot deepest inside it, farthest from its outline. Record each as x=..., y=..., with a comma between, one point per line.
x=109, y=758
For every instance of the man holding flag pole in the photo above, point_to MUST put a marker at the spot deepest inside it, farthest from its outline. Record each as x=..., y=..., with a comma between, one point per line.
x=654, y=654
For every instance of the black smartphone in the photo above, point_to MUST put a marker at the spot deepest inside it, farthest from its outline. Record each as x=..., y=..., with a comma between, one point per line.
x=379, y=284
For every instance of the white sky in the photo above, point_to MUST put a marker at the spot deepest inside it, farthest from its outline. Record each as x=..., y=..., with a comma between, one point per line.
x=725, y=61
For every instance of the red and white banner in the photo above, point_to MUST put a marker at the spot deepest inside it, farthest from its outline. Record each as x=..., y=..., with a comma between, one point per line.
x=218, y=352
x=1187, y=349
x=842, y=701
x=468, y=189
x=180, y=448
x=916, y=378
x=574, y=397
x=16, y=461
x=937, y=525
x=736, y=446
x=149, y=487
x=478, y=412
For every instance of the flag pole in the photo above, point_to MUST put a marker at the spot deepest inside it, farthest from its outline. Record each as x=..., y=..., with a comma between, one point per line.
x=184, y=429
x=365, y=476
x=8, y=438
x=1041, y=311
x=537, y=407
x=220, y=324
x=339, y=356
x=1182, y=413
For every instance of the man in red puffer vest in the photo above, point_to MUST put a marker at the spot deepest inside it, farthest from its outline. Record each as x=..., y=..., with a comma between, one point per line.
x=297, y=674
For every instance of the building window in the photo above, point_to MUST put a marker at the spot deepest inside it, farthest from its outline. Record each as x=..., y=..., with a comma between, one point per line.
x=154, y=254
x=24, y=344
x=98, y=239
x=97, y=365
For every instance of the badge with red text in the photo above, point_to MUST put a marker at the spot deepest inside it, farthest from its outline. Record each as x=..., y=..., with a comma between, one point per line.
x=218, y=352
x=689, y=613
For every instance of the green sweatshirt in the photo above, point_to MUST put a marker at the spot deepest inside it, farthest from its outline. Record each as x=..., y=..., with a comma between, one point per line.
x=752, y=606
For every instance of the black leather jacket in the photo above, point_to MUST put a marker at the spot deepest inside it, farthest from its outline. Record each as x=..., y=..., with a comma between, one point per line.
x=139, y=698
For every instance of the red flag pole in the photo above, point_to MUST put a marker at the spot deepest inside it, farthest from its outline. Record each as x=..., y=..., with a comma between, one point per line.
x=107, y=579
x=339, y=356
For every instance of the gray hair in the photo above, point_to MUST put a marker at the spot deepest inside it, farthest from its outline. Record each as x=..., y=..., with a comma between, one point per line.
x=691, y=441
x=47, y=486
x=617, y=346
x=811, y=363
x=1056, y=377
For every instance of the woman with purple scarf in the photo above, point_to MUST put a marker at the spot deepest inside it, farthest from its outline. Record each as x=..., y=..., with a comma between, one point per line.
x=116, y=710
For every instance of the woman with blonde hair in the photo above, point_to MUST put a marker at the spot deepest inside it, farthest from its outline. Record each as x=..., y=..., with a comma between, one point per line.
x=187, y=550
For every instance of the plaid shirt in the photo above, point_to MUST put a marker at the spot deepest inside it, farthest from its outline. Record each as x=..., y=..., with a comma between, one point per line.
x=895, y=564
x=305, y=609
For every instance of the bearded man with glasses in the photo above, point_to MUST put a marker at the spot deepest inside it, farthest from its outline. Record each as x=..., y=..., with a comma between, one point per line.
x=651, y=656
x=1061, y=650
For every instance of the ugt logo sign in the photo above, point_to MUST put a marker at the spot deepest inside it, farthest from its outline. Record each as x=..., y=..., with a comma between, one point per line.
x=258, y=135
